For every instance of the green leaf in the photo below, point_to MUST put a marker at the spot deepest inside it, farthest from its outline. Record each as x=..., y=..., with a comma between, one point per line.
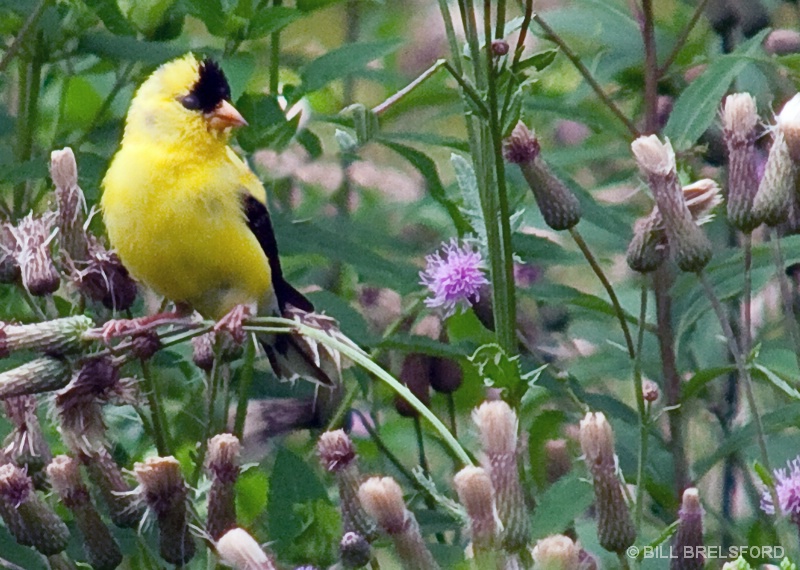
x=342, y=62
x=108, y=11
x=211, y=13
x=427, y=167
x=697, y=382
x=697, y=106
x=776, y=381
x=470, y=196
x=495, y=366
x=309, y=5
x=538, y=60
x=268, y=126
x=128, y=48
x=561, y=504
x=272, y=19
x=763, y=474
x=251, y=495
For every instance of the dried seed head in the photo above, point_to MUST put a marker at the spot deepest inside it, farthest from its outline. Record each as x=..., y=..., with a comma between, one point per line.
x=597, y=439
x=239, y=550
x=556, y=552
x=223, y=456
x=103, y=278
x=382, y=498
x=789, y=125
x=145, y=344
x=203, y=350
x=521, y=146
x=102, y=550
x=446, y=375
x=9, y=250
x=28, y=518
x=558, y=460
x=71, y=205
x=475, y=491
x=497, y=424
x=689, y=537
x=25, y=445
x=123, y=505
x=740, y=121
x=776, y=192
x=33, y=235
x=739, y=117
x=222, y=464
x=782, y=42
x=163, y=489
x=335, y=450
x=354, y=550
x=53, y=337
x=43, y=374
x=689, y=245
x=415, y=374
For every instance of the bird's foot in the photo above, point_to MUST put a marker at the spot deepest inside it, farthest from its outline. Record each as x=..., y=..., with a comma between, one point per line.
x=233, y=322
x=118, y=328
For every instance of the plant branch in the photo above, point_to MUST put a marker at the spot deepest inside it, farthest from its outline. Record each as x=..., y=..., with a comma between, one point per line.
x=644, y=422
x=22, y=35
x=650, y=68
x=425, y=75
x=682, y=38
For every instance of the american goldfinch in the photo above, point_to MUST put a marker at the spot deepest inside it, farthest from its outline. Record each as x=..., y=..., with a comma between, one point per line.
x=187, y=216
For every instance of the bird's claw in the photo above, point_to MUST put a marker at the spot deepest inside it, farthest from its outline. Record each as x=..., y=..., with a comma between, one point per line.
x=233, y=323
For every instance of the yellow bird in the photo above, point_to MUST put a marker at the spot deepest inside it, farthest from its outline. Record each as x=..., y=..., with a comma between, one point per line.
x=187, y=216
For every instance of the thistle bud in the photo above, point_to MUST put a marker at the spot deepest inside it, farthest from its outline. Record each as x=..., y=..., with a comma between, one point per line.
x=383, y=500
x=239, y=550
x=33, y=523
x=558, y=461
x=559, y=206
x=474, y=488
x=776, y=193
x=103, y=278
x=222, y=465
x=416, y=375
x=499, y=48
x=26, y=445
x=556, y=552
x=650, y=391
x=203, y=350
x=102, y=551
x=163, y=489
x=338, y=456
x=71, y=205
x=689, y=537
x=739, y=122
x=354, y=550
x=782, y=42
x=54, y=337
x=104, y=473
x=9, y=250
x=614, y=525
x=446, y=375
x=33, y=235
x=498, y=425
x=43, y=374
x=688, y=244
x=60, y=562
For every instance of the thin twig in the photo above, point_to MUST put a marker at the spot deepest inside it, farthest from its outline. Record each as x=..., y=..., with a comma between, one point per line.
x=644, y=421
x=469, y=90
x=682, y=38
x=157, y=417
x=425, y=75
x=523, y=33
x=450, y=32
x=23, y=34
x=650, y=68
x=587, y=253
x=587, y=75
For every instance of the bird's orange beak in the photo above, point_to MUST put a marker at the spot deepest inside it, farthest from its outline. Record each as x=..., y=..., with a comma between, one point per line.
x=224, y=116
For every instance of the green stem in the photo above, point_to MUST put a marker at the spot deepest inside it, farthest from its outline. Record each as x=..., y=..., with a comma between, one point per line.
x=356, y=355
x=275, y=57
x=469, y=90
x=623, y=322
x=451, y=413
x=643, y=415
x=450, y=32
x=245, y=381
x=500, y=19
x=157, y=417
x=419, y=80
x=30, y=70
x=650, y=67
x=423, y=460
x=376, y=437
x=587, y=75
x=682, y=38
x=22, y=35
x=121, y=81
x=211, y=408
x=786, y=295
x=747, y=293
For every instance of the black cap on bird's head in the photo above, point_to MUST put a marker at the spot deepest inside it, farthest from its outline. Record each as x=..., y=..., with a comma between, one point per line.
x=210, y=90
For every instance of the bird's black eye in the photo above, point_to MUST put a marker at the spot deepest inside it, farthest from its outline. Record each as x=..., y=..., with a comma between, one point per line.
x=190, y=101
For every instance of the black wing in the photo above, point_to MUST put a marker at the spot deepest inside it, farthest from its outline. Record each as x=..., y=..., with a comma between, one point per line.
x=260, y=224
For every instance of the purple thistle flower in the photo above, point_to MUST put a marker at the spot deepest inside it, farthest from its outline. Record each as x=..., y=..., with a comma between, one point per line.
x=454, y=275
x=787, y=487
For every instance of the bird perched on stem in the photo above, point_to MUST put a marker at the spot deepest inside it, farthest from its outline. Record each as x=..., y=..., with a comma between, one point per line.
x=188, y=218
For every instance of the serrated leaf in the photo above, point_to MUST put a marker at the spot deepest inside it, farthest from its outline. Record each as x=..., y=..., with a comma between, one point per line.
x=342, y=62
x=696, y=108
x=272, y=19
x=495, y=366
x=561, y=504
x=470, y=198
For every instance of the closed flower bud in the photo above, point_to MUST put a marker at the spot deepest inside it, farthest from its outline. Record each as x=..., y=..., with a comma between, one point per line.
x=689, y=246
x=164, y=491
x=43, y=374
x=54, y=337
x=689, y=537
x=650, y=391
x=560, y=208
x=102, y=551
x=499, y=48
x=446, y=375
x=9, y=268
x=383, y=500
x=103, y=278
x=338, y=456
x=124, y=507
x=34, y=522
x=33, y=235
x=782, y=42
x=776, y=193
x=558, y=460
x=239, y=550
x=739, y=123
x=416, y=375
x=354, y=550
x=145, y=344
x=26, y=445
x=474, y=488
x=71, y=205
x=556, y=552
x=614, y=525
x=222, y=465
x=497, y=424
